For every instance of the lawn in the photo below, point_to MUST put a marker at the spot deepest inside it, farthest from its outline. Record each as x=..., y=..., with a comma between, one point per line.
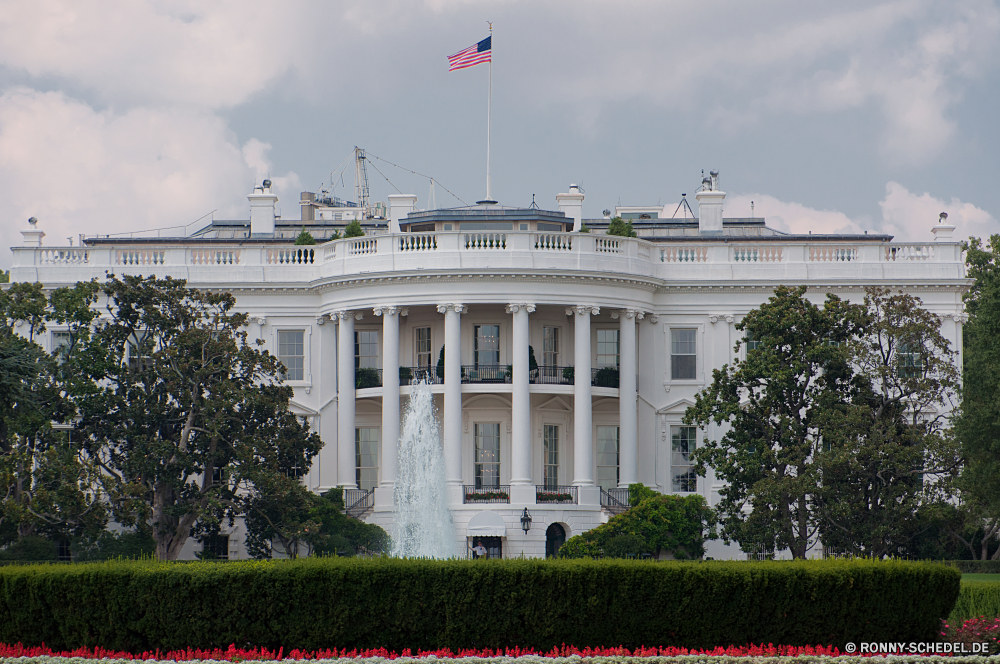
x=981, y=577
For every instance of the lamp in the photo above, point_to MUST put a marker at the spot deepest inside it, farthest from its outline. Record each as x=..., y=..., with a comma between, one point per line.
x=526, y=521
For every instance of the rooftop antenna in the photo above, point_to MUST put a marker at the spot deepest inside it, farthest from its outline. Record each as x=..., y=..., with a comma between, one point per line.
x=685, y=206
x=751, y=209
x=533, y=206
x=431, y=198
x=361, y=182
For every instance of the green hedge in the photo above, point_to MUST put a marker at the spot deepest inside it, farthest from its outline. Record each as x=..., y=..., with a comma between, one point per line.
x=365, y=603
x=975, y=566
x=977, y=598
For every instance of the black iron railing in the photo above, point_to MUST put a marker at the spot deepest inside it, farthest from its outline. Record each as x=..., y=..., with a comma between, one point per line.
x=358, y=502
x=555, y=495
x=552, y=375
x=429, y=374
x=614, y=500
x=604, y=377
x=486, y=373
x=367, y=377
x=486, y=494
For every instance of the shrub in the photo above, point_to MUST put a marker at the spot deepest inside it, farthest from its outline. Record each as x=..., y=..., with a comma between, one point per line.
x=405, y=375
x=625, y=545
x=675, y=525
x=114, y=545
x=976, y=599
x=354, y=229
x=606, y=377
x=30, y=549
x=366, y=377
x=317, y=603
x=620, y=227
x=305, y=238
x=638, y=493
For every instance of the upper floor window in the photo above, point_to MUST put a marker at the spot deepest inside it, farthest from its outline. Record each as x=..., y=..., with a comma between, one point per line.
x=366, y=349
x=607, y=457
x=607, y=348
x=550, y=346
x=140, y=348
x=422, y=343
x=550, y=456
x=292, y=353
x=60, y=344
x=366, y=457
x=487, y=461
x=909, y=361
x=683, y=354
x=486, y=350
x=751, y=340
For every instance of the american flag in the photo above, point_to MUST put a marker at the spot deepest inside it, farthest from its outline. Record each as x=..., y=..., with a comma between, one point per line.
x=472, y=56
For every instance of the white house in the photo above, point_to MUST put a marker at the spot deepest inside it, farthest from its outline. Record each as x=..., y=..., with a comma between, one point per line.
x=624, y=333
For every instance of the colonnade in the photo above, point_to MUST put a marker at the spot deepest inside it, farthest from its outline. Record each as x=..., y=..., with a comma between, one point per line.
x=521, y=479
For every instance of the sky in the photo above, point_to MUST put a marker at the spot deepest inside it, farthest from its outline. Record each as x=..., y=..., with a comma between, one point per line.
x=119, y=116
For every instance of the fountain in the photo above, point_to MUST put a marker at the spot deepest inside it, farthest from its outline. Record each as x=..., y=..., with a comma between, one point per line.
x=423, y=526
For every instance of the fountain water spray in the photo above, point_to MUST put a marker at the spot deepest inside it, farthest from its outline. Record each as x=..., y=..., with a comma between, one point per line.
x=423, y=526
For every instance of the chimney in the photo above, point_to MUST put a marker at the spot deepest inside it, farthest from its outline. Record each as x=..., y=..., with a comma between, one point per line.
x=942, y=230
x=262, y=209
x=710, y=205
x=33, y=236
x=306, y=210
x=572, y=205
x=400, y=205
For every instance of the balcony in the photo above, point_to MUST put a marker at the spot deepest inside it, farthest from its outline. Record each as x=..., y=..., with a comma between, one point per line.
x=688, y=259
x=486, y=494
x=367, y=377
x=486, y=373
x=614, y=500
x=556, y=495
x=427, y=374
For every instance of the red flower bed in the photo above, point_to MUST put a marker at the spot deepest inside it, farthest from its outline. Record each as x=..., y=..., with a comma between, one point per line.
x=234, y=654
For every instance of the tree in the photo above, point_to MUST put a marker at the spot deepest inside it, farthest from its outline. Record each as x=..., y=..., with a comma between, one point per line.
x=4, y=276
x=620, y=227
x=977, y=425
x=354, y=229
x=180, y=411
x=772, y=402
x=305, y=238
x=657, y=523
x=47, y=488
x=887, y=451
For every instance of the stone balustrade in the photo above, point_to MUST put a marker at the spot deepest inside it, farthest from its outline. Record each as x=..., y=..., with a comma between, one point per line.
x=679, y=260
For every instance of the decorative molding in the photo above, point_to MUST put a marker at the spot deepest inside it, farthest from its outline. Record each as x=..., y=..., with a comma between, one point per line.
x=959, y=317
x=514, y=308
x=260, y=320
x=639, y=315
x=457, y=308
x=388, y=310
x=583, y=309
x=404, y=311
x=715, y=318
x=663, y=428
x=321, y=320
x=465, y=422
x=654, y=319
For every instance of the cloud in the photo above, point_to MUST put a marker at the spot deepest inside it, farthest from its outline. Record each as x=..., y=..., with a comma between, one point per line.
x=81, y=170
x=791, y=217
x=910, y=217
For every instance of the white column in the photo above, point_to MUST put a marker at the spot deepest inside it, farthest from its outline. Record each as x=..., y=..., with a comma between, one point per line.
x=390, y=392
x=346, y=462
x=628, y=451
x=453, y=395
x=324, y=469
x=521, y=398
x=583, y=417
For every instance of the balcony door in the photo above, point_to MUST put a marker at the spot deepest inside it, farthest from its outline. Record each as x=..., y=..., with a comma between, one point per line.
x=487, y=459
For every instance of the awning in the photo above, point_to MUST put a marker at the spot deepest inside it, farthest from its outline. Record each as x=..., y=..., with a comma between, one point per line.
x=486, y=524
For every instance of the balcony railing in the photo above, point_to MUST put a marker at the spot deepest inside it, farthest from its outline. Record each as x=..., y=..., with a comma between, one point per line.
x=427, y=374
x=358, y=502
x=486, y=373
x=367, y=377
x=552, y=375
x=614, y=500
x=486, y=494
x=555, y=495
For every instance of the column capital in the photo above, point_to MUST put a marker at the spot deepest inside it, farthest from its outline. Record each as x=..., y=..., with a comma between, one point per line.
x=514, y=308
x=260, y=320
x=715, y=318
x=388, y=310
x=653, y=318
x=582, y=309
x=321, y=319
x=627, y=313
x=457, y=308
x=344, y=315
x=959, y=317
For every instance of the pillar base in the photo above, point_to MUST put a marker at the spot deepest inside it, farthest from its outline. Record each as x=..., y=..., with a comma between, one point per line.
x=589, y=495
x=384, y=498
x=453, y=494
x=522, y=494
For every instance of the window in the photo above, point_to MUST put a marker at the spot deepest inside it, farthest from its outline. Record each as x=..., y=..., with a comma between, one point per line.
x=487, y=455
x=607, y=348
x=366, y=349
x=550, y=346
x=292, y=353
x=683, y=440
x=140, y=346
x=487, y=345
x=493, y=546
x=60, y=344
x=607, y=457
x=423, y=347
x=683, y=349
x=550, y=456
x=215, y=547
x=366, y=455
x=909, y=361
x=751, y=341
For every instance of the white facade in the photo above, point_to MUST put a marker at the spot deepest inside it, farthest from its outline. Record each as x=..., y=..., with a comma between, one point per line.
x=656, y=314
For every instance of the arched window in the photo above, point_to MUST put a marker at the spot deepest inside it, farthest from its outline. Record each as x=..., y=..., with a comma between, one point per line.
x=555, y=537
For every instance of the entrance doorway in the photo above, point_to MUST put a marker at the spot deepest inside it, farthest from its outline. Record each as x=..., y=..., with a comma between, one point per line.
x=555, y=537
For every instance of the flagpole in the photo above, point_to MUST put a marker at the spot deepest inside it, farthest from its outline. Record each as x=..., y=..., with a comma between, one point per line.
x=489, y=118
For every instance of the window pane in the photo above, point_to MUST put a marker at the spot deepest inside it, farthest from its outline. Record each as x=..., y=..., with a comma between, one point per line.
x=423, y=345
x=752, y=342
x=366, y=457
x=366, y=349
x=607, y=348
x=683, y=357
x=550, y=456
x=487, y=460
x=487, y=345
x=683, y=441
x=291, y=353
x=550, y=346
x=607, y=457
